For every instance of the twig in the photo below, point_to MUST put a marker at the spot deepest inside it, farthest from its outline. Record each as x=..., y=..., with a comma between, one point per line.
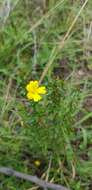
x=34, y=179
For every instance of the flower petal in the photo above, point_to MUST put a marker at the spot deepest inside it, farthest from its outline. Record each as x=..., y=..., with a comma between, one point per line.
x=28, y=87
x=41, y=90
x=29, y=96
x=31, y=85
x=34, y=84
x=36, y=97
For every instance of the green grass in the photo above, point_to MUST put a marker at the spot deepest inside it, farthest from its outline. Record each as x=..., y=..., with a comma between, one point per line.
x=59, y=127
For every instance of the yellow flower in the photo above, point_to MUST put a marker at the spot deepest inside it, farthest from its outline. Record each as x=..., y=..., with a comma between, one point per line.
x=34, y=91
x=37, y=163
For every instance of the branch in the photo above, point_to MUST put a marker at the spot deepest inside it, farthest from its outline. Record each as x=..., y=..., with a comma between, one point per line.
x=34, y=179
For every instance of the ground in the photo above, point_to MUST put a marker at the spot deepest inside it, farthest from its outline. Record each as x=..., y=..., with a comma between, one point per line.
x=56, y=131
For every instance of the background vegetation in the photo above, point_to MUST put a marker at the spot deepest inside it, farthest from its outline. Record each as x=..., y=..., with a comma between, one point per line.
x=57, y=131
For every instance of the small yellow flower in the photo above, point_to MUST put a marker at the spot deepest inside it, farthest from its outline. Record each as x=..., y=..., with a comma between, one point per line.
x=34, y=91
x=37, y=163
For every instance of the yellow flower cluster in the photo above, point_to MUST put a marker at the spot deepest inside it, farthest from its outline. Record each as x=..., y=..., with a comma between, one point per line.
x=34, y=91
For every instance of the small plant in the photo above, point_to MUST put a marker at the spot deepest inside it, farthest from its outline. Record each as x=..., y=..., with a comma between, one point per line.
x=46, y=130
